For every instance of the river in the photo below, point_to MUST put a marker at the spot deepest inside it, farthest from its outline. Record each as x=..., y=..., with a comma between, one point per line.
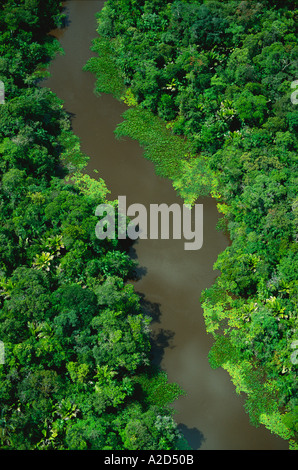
x=211, y=415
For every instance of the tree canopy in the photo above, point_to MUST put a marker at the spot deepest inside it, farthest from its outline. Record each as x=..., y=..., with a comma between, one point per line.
x=219, y=76
x=77, y=372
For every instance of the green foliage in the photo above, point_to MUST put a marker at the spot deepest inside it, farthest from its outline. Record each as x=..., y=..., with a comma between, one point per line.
x=103, y=65
x=217, y=76
x=163, y=148
x=75, y=337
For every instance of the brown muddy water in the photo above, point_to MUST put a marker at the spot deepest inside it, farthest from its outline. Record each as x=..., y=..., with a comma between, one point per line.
x=211, y=415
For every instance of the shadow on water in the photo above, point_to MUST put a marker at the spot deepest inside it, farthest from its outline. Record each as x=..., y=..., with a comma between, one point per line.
x=139, y=271
x=159, y=343
x=65, y=21
x=193, y=436
x=161, y=340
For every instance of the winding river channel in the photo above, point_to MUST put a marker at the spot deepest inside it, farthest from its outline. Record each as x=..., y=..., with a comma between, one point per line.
x=211, y=415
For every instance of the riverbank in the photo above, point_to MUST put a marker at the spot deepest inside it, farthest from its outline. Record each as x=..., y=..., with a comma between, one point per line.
x=77, y=372
x=245, y=295
x=211, y=416
x=169, y=153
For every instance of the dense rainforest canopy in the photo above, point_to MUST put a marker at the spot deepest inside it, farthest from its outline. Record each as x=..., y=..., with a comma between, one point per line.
x=222, y=75
x=217, y=76
x=77, y=371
